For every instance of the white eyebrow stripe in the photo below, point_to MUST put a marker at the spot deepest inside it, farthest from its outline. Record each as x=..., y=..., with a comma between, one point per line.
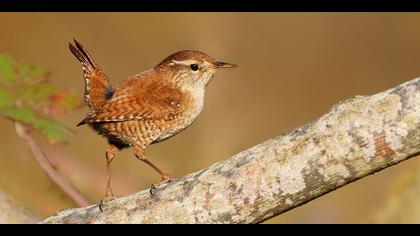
x=186, y=62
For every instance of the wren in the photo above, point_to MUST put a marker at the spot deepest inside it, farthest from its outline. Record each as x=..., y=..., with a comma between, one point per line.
x=148, y=107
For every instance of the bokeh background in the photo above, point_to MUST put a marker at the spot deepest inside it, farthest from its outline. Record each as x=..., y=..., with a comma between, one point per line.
x=292, y=68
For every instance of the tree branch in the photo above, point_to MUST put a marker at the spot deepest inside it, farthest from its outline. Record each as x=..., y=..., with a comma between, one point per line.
x=356, y=138
x=45, y=164
x=12, y=212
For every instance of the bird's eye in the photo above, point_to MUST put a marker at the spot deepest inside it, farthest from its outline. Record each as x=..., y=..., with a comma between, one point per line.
x=194, y=67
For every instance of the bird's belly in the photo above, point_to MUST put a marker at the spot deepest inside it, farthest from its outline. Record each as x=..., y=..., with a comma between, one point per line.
x=129, y=133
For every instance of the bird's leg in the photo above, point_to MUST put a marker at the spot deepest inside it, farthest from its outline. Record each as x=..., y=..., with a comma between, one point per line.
x=109, y=154
x=166, y=178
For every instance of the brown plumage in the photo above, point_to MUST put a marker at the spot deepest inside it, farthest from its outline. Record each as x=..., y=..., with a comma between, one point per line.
x=97, y=87
x=148, y=107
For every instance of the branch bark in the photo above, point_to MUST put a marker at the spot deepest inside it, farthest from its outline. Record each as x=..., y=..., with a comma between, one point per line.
x=45, y=164
x=356, y=138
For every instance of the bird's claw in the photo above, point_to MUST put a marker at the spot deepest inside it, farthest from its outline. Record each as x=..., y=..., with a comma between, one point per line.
x=104, y=201
x=165, y=179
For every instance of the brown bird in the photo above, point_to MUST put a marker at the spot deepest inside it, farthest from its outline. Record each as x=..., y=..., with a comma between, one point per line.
x=148, y=107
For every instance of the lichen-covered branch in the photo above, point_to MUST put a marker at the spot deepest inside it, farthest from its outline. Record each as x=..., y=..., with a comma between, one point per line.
x=12, y=212
x=356, y=138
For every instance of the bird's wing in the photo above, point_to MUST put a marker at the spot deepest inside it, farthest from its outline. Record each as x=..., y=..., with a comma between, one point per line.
x=97, y=86
x=152, y=102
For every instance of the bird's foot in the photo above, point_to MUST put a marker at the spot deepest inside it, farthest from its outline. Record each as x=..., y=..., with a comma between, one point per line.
x=105, y=200
x=165, y=179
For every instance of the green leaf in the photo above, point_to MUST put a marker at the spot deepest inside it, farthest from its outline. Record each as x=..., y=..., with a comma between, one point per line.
x=12, y=71
x=52, y=130
x=37, y=92
x=64, y=99
x=7, y=65
x=6, y=99
x=23, y=115
x=30, y=73
x=48, y=98
x=28, y=86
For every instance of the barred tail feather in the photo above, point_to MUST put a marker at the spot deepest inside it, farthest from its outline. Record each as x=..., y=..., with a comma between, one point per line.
x=97, y=87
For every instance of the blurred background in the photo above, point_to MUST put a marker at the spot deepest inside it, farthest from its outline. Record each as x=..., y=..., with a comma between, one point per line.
x=292, y=68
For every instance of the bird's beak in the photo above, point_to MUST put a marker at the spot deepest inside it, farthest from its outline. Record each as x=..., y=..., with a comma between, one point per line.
x=220, y=64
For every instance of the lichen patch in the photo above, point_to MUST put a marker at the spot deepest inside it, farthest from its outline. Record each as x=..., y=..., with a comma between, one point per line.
x=291, y=176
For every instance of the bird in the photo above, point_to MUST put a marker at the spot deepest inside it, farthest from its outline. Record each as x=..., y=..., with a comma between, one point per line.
x=145, y=108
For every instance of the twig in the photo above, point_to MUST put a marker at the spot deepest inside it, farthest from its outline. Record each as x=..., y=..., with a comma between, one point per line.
x=356, y=138
x=54, y=176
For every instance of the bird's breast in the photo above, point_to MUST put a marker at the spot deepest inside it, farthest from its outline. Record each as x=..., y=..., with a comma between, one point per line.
x=192, y=108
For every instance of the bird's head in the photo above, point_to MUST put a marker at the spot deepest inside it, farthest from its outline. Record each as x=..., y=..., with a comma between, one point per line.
x=191, y=69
